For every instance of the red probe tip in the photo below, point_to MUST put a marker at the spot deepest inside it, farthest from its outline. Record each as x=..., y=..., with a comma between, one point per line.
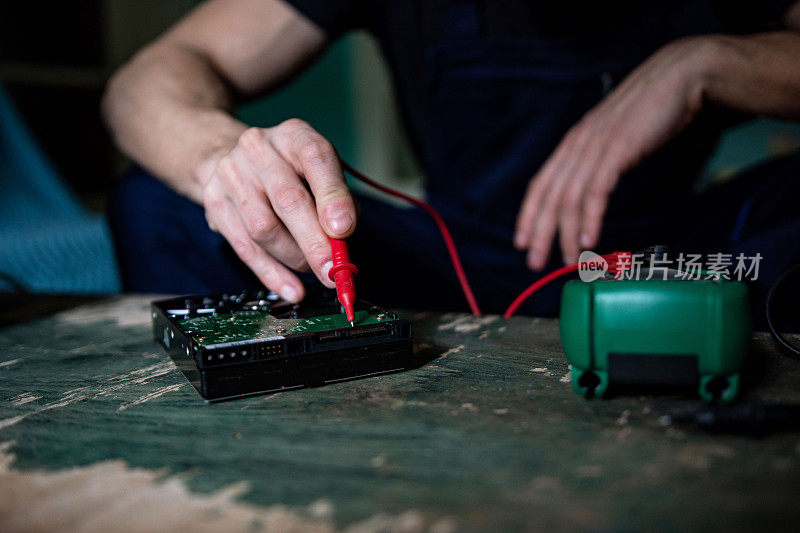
x=343, y=274
x=347, y=303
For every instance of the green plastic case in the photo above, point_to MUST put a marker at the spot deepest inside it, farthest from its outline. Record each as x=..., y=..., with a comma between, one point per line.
x=656, y=333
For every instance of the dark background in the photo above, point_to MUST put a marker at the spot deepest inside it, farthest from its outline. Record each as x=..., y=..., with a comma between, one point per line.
x=56, y=57
x=55, y=63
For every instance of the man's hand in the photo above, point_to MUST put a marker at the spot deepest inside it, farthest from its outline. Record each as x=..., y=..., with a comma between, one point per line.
x=170, y=108
x=255, y=195
x=570, y=192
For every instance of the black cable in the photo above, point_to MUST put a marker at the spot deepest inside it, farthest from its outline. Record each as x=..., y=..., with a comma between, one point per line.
x=791, y=349
x=746, y=418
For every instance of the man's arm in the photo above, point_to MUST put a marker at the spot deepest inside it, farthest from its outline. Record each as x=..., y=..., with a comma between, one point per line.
x=169, y=109
x=759, y=74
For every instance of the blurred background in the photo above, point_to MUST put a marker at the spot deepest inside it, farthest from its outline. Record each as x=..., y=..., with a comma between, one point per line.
x=57, y=163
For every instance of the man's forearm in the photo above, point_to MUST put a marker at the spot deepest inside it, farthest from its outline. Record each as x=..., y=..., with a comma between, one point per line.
x=758, y=74
x=169, y=111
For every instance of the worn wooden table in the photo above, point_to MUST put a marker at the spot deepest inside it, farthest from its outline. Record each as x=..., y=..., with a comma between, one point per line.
x=100, y=430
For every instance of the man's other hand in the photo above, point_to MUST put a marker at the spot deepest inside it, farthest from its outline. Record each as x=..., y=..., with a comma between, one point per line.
x=570, y=192
x=256, y=196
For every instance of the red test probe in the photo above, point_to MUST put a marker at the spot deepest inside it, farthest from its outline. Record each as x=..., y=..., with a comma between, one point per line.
x=343, y=274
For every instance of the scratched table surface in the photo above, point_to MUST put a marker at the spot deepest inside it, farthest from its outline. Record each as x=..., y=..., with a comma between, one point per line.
x=100, y=431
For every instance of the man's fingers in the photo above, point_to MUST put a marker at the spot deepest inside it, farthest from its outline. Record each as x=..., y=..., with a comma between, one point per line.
x=532, y=205
x=547, y=218
x=269, y=270
x=527, y=215
x=258, y=198
x=569, y=227
x=647, y=109
x=257, y=217
x=611, y=163
x=267, y=231
x=594, y=209
x=317, y=160
x=268, y=182
x=582, y=177
x=294, y=205
x=556, y=166
x=536, y=224
x=542, y=238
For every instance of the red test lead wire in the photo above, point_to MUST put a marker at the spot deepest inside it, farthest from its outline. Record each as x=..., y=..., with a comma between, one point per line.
x=535, y=286
x=437, y=218
x=343, y=274
x=614, y=262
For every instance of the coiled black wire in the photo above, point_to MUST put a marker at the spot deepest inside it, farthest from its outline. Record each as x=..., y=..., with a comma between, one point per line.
x=791, y=349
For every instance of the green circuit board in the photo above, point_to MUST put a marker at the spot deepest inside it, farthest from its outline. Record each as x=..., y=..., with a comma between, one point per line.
x=230, y=328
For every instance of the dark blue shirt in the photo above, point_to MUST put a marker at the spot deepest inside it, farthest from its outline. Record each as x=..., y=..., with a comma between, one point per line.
x=487, y=88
